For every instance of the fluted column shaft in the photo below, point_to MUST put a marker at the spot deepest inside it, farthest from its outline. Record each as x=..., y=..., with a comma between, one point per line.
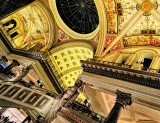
x=64, y=100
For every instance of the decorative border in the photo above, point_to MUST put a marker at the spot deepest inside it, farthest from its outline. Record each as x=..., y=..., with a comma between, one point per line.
x=102, y=26
x=74, y=43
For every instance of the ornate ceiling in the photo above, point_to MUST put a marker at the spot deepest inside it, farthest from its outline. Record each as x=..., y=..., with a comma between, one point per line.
x=31, y=28
x=70, y=31
x=117, y=19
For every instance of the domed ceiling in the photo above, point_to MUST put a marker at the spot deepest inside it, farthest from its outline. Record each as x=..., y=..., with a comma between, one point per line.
x=117, y=22
x=80, y=15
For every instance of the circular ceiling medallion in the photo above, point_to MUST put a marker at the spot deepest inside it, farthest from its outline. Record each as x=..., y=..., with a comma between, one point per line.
x=79, y=15
x=146, y=6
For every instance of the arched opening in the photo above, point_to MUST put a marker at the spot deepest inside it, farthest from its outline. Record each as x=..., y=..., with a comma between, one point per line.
x=10, y=24
x=123, y=61
x=143, y=60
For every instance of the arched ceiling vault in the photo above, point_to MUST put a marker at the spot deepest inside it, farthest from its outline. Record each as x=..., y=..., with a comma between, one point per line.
x=31, y=28
x=142, y=21
x=66, y=57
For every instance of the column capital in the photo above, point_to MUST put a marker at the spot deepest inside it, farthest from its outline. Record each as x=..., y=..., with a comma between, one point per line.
x=123, y=98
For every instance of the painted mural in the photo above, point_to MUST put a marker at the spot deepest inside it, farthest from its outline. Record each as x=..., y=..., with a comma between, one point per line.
x=128, y=11
x=112, y=18
x=145, y=23
x=95, y=39
x=119, y=12
x=141, y=41
x=117, y=46
x=62, y=36
x=32, y=29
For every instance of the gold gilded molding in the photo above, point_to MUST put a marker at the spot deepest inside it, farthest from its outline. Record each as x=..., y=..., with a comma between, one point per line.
x=102, y=27
x=70, y=70
x=73, y=43
x=52, y=23
x=65, y=28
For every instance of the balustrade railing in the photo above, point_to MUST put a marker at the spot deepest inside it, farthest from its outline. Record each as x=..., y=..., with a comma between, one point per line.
x=87, y=112
x=109, y=63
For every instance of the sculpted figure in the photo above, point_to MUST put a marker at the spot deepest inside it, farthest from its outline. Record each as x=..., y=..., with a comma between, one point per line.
x=63, y=99
x=141, y=59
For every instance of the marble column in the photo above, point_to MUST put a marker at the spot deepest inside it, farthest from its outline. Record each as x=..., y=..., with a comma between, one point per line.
x=9, y=68
x=122, y=100
x=3, y=59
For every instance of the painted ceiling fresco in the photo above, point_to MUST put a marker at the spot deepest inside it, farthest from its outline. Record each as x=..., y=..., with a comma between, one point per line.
x=128, y=11
x=145, y=23
x=117, y=46
x=121, y=12
x=62, y=36
x=142, y=40
x=34, y=32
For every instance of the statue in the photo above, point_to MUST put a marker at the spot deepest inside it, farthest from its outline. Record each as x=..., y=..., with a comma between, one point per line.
x=141, y=59
x=64, y=99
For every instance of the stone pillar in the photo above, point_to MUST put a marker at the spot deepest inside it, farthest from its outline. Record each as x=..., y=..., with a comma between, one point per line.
x=8, y=68
x=122, y=100
x=7, y=7
x=3, y=59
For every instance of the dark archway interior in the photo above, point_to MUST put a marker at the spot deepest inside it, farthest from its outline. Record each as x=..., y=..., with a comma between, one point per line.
x=146, y=63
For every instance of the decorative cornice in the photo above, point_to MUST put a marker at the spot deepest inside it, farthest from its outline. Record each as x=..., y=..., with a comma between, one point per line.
x=112, y=70
x=74, y=43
